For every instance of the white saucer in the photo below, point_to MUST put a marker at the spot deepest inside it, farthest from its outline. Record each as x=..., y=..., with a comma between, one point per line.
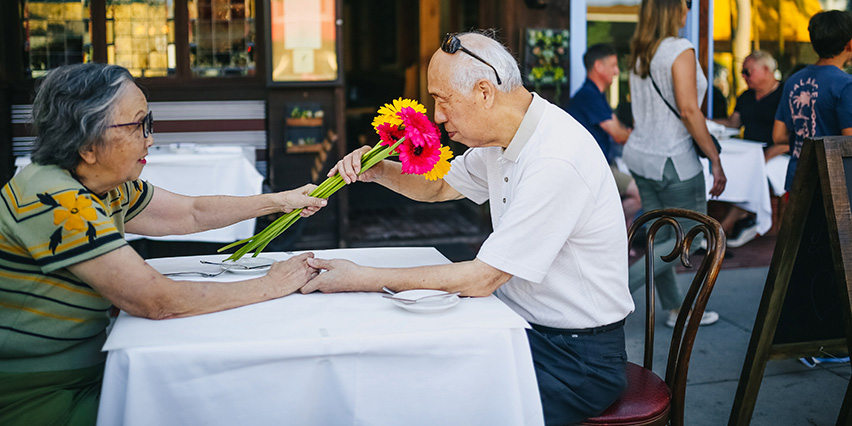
x=436, y=304
x=259, y=265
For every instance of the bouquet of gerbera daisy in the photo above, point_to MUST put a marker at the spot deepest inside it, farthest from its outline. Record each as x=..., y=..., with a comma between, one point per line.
x=404, y=130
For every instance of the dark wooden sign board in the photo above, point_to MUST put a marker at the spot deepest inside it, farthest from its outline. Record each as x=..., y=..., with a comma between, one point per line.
x=805, y=307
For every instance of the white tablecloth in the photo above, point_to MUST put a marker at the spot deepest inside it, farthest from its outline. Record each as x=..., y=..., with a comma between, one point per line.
x=747, y=174
x=204, y=171
x=776, y=171
x=323, y=359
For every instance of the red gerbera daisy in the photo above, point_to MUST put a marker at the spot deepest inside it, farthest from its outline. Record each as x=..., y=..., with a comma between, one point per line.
x=389, y=133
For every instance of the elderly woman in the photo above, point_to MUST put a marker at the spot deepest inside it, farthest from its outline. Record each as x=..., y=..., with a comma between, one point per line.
x=665, y=77
x=64, y=261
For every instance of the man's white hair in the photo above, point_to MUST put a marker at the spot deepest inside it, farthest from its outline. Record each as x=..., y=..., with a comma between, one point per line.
x=468, y=70
x=763, y=58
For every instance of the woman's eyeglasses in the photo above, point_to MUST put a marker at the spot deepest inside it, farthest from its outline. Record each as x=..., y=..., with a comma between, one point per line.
x=147, y=124
x=689, y=4
x=452, y=44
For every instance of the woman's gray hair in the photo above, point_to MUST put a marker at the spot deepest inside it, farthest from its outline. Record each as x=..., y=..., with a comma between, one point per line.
x=468, y=70
x=72, y=110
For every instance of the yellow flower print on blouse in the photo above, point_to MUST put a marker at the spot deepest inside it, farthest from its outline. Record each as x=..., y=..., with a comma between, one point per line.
x=75, y=210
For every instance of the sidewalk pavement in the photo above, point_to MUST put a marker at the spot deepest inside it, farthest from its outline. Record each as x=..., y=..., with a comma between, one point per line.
x=790, y=394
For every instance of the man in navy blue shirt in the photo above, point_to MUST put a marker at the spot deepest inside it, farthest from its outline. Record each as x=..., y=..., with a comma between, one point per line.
x=589, y=107
x=817, y=101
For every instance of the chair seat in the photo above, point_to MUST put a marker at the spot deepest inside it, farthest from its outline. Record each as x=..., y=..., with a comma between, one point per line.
x=646, y=401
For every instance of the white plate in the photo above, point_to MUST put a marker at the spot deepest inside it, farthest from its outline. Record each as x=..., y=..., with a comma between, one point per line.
x=435, y=304
x=259, y=265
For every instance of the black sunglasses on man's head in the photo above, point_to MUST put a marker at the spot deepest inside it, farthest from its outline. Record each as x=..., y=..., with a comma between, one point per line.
x=452, y=44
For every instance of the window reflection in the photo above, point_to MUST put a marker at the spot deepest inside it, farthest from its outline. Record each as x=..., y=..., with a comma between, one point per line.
x=57, y=32
x=140, y=36
x=221, y=37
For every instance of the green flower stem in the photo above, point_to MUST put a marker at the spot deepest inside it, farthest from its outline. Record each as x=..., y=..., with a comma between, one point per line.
x=324, y=190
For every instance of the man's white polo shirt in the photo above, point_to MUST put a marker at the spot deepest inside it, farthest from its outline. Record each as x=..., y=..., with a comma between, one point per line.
x=559, y=227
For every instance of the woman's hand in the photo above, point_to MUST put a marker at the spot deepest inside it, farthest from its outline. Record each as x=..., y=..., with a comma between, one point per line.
x=290, y=275
x=299, y=199
x=350, y=165
x=719, y=179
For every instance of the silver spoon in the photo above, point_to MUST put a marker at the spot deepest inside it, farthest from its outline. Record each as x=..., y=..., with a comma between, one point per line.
x=432, y=296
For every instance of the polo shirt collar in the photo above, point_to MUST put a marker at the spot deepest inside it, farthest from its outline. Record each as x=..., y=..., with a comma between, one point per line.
x=534, y=114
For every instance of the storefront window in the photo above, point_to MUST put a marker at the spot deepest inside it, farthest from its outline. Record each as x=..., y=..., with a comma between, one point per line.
x=140, y=36
x=222, y=37
x=56, y=32
x=304, y=40
x=219, y=40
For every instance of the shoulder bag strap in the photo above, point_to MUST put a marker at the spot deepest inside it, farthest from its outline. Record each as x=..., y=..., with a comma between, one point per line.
x=674, y=111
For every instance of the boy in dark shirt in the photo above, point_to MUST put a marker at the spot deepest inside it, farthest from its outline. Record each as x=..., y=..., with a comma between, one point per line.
x=817, y=101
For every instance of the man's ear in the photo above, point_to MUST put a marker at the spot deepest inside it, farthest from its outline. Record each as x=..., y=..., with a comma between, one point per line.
x=486, y=91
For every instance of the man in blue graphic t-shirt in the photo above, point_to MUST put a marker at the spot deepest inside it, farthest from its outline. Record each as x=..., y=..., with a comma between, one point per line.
x=817, y=101
x=590, y=108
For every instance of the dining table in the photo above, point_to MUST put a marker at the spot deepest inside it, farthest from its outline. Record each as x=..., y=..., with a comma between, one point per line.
x=749, y=178
x=322, y=359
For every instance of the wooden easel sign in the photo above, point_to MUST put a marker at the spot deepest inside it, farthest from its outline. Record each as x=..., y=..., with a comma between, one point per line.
x=806, y=308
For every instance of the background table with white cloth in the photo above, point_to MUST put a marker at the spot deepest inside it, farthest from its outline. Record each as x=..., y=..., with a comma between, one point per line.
x=204, y=170
x=191, y=169
x=323, y=359
x=748, y=178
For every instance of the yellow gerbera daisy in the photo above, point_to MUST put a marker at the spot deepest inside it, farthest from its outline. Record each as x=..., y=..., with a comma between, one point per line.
x=77, y=210
x=387, y=113
x=442, y=167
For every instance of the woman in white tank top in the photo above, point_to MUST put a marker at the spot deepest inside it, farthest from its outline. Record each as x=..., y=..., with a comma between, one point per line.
x=660, y=153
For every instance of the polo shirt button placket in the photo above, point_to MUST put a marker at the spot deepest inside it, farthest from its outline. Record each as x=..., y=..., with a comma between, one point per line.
x=505, y=179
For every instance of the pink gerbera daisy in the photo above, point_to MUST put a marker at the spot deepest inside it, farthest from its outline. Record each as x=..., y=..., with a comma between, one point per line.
x=419, y=131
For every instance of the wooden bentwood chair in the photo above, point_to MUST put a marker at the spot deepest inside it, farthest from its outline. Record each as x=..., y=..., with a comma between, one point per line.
x=648, y=399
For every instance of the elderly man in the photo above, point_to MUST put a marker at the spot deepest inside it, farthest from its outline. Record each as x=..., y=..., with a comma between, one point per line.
x=558, y=252
x=755, y=113
x=755, y=109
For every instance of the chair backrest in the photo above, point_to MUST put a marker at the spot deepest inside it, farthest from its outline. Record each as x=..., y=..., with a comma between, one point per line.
x=695, y=300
